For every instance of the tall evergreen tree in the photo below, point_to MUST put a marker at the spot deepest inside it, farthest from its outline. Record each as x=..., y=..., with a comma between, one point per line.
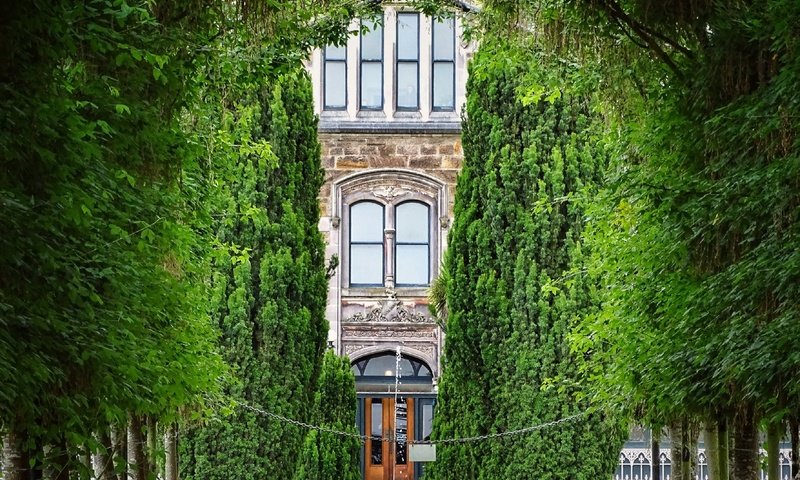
x=326, y=455
x=270, y=286
x=515, y=236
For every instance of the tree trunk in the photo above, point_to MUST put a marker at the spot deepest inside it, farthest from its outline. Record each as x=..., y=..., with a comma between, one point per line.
x=119, y=438
x=676, y=447
x=691, y=432
x=744, y=451
x=795, y=434
x=655, y=471
x=774, y=434
x=104, y=459
x=152, y=444
x=56, y=461
x=171, y=443
x=711, y=434
x=724, y=439
x=137, y=461
x=15, y=461
x=85, y=473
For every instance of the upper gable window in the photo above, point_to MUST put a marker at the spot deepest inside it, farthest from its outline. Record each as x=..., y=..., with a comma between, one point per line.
x=371, y=81
x=444, y=65
x=401, y=62
x=407, y=85
x=335, y=79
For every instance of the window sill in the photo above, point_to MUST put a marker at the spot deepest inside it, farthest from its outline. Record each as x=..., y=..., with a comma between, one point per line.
x=402, y=292
x=380, y=125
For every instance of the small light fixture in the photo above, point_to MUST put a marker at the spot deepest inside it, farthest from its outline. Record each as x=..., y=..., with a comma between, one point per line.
x=388, y=373
x=330, y=344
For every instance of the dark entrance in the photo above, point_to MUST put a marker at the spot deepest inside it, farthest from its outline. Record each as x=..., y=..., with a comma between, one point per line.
x=398, y=419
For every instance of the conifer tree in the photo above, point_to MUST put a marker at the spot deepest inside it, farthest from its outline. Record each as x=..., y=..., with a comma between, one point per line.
x=515, y=236
x=326, y=455
x=270, y=286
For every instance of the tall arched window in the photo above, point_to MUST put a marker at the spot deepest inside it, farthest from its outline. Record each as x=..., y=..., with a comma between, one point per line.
x=412, y=247
x=366, y=243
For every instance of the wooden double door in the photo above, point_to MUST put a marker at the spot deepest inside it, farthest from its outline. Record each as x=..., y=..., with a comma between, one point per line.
x=385, y=459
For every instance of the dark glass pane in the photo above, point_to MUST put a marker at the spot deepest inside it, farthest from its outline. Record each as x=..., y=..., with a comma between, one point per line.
x=407, y=85
x=335, y=85
x=372, y=42
x=412, y=222
x=376, y=432
x=371, y=84
x=427, y=421
x=407, y=36
x=366, y=222
x=444, y=39
x=401, y=431
x=333, y=52
x=443, y=85
x=384, y=366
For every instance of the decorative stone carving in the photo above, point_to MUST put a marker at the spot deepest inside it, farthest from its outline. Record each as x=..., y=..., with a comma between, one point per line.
x=388, y=334
x=444, y=223
x=352, y=347
x=335, y=221
x=390, y=309
x=390, y=192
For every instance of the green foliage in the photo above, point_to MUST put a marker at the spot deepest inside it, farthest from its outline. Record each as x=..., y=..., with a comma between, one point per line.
x=516, y=233
x=102, y=277
x=328, y=456
x=114, y=154
x=269, y=283
x=695, y=240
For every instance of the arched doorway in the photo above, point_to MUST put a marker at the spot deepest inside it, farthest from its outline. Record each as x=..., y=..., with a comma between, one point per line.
x=397, y=418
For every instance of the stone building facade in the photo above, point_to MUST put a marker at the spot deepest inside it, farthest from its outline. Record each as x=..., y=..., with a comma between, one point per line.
x=389, y=104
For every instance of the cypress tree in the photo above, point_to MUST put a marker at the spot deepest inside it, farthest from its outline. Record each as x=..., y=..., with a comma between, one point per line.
x=510, y=300
x=270, y=286
x=329, y=456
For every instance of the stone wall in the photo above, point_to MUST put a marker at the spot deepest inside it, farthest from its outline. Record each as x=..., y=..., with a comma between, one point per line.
x=438, y=155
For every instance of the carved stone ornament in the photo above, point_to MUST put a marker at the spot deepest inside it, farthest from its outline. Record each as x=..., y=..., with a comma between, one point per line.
x=390, y=309
x=335, y=221
x=390, y=192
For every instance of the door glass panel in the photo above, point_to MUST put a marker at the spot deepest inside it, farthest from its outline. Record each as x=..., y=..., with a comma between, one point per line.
x=412, y=265
x=401, y=430
x=376, y=432
x=427, y=421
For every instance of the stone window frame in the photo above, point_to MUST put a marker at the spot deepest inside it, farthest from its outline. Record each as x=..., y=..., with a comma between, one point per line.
x=390, y=188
